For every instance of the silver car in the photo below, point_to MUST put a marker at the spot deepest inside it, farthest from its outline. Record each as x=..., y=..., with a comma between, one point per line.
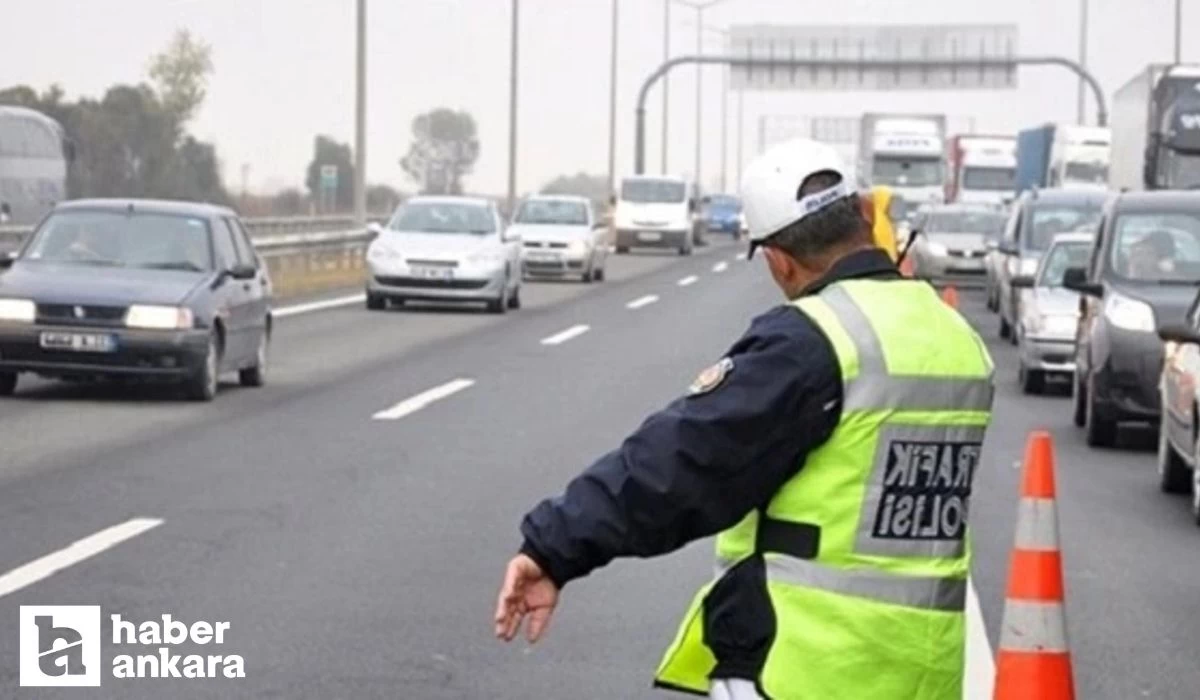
x=560, y=236
x=953, y=242
x=1049, y=313
x=445, y=249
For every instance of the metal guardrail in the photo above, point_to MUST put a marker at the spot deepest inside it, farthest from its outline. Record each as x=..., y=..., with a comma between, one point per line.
x=270, y=235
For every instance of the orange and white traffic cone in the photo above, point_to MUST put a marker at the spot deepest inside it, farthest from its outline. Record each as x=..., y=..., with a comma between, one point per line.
x=950, y=296
x=1034, y=661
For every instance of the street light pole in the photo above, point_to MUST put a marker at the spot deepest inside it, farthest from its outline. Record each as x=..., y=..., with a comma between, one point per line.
x=725, y=129
x=1080, y=105
x=666, y=79
x=1178, y=31
x=360, y=119
x=612, y=106
x=512, y=109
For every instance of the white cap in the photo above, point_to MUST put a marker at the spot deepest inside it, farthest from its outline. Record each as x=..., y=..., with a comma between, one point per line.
x=771, y=185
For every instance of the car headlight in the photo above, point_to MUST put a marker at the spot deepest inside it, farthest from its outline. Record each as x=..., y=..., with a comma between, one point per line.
x=487, y=257
x=382, y=252
x=1130, y=314
x=1050, y=324
x=578, y=246
x=159, y=317
x=18, y=310
x=937, y=249
x=1028, y=266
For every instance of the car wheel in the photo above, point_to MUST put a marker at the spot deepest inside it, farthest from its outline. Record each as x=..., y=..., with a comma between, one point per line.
x=1196, y=496
x=203, y=384
x=376, y=302
x=599, y=276
x=1078, y=397
x=8, y=383
x=256, y=374
x=686, y=249
x=1173, y=475
x=1032, y=381
x=1098, y=431
x=514, y=301
x=1005, y=329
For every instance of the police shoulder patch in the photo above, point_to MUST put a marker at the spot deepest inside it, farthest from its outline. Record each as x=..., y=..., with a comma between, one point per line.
x=711, y=377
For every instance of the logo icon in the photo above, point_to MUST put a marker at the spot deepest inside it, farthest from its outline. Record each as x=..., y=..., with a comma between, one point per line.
x=60, y=645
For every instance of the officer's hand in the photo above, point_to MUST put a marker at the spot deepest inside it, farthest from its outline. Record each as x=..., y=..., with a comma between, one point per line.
x=526, y=591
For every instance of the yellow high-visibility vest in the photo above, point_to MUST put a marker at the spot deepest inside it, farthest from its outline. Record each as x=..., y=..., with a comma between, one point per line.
x=865, y=549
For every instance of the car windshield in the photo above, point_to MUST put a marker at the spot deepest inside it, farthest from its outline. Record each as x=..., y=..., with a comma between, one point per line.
x=552, y=211
x=121, y=239
x=725, y=203
x=1049, y=220
x=442, y=217
x=653, y=191
x=986, y=222
x=1160, y=247
x=907, y=172
x=1059, y=259
x=991, y=179
x=1086, y=173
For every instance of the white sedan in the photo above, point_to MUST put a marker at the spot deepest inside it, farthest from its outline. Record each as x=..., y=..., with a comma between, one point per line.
x=560, y=236
x=445, y=249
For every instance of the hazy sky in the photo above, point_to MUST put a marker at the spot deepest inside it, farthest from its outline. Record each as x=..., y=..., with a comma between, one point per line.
x=285, y=71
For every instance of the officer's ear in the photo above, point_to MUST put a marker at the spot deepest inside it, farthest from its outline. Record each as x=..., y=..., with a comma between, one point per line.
x=866, y=206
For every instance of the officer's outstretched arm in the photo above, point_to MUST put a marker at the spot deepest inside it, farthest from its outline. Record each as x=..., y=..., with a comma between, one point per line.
x=700, y=465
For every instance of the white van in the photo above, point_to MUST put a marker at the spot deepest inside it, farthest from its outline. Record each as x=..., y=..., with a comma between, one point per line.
x=654, y=211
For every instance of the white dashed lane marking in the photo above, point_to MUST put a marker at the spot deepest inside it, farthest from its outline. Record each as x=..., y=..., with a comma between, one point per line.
x=560, y=338
x=642, y=301
x=415, y=403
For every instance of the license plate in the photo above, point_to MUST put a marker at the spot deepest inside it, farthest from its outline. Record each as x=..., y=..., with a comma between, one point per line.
x=544, y=257
x=433, y=273
x=79, y=342
x=649, y=236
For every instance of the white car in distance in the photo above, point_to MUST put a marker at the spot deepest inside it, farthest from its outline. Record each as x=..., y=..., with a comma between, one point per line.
x=453, y=249
x=561, y=236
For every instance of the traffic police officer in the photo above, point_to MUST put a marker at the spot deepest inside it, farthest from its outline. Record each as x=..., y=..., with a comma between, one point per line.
x=833, y=448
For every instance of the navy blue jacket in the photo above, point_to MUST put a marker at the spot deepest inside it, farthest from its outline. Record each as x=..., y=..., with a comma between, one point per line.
x=705, y=461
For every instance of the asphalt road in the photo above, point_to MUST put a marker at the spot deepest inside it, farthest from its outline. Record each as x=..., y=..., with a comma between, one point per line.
x=358, y=557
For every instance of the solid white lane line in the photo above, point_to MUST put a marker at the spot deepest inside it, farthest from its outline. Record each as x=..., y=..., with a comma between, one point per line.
x=285, y=311
x=74, y=553
x=720, y=267
x=415, y=403
x=690, y=279
x=642, y=301
x=560, y=338
x=981, y=666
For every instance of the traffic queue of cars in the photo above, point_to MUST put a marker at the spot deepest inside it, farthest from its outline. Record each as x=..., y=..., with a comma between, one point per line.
x=174, y=292
x=1101, y=291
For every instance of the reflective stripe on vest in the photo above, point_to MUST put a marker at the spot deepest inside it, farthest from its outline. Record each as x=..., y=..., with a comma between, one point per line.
x=873, y=389
x=924, y=592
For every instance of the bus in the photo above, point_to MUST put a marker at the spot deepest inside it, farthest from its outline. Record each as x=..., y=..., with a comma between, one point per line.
x=34, y=152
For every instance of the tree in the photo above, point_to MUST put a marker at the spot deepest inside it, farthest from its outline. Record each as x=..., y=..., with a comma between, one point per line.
x=327, y=151
x=181, y=73
x=444, y=150
x=382, y=199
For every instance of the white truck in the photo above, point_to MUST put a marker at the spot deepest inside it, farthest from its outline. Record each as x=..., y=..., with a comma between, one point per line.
x=982, y=170
x=1156, y=130
x=904, y=152
x=1079, y=157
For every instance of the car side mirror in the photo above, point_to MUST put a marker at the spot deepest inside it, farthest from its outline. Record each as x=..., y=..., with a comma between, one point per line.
x=1178, y=333
x=7, y=259
x=991, y=244
x=598, y=224
x=1022, y=282
x=510, y=235
x=243, y=272
x=374, y=229
x=1075, y=279
x=706, y=199
x=1007, y=247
